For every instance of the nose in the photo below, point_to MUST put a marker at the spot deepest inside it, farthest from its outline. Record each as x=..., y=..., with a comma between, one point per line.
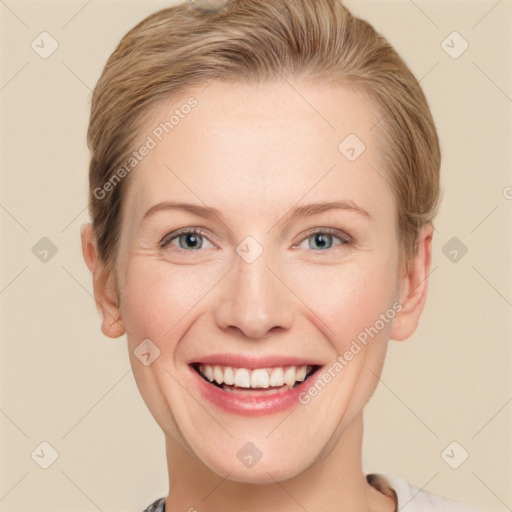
x=254, y=300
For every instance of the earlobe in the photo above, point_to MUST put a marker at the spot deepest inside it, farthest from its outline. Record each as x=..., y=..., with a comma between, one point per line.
x=414, y=287
x=105, y=293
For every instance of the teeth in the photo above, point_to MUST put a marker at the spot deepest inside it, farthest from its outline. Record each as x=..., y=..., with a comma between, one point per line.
x=260, y=378
x=228, y=376
x=242, y=378
x=301, y=373
x=289, y=376
x=218, y=375
x=208, y=373
x=276, y=377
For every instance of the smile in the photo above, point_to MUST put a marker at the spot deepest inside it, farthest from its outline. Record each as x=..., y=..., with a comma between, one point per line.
x=261, y=378
x=250, y=391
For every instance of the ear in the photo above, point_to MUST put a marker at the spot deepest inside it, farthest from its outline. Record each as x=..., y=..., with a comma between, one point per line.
x=413, y=287
x=105, y=293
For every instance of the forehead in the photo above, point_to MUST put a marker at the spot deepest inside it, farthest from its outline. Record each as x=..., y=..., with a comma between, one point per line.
x=258, y=147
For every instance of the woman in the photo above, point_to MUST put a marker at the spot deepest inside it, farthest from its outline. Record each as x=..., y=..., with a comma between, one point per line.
x=263, y=179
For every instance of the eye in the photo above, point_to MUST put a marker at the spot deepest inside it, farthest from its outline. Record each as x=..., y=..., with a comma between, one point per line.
x=323, y=239
x=188, y=239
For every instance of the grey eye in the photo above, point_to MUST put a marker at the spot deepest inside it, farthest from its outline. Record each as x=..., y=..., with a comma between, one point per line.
x=190, y=241
x=320, y=241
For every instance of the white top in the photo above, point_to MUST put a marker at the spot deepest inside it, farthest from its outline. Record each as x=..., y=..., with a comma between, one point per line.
x=413, y=499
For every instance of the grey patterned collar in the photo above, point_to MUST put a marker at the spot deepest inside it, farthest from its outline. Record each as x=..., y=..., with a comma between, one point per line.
x=157, y=506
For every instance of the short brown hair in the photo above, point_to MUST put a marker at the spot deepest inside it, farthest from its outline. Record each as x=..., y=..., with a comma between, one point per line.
x=254, y=42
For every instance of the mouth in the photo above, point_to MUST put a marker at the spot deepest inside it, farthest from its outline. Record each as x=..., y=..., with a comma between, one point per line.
x=256, y=381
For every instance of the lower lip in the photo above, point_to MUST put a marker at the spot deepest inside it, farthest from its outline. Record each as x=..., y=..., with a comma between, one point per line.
x=255, y=404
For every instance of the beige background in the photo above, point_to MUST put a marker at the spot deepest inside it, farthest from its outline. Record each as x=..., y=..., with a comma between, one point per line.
x=63, y=382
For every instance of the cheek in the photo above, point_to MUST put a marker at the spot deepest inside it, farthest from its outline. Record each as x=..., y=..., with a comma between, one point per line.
x=157, y=296
x=347, y=299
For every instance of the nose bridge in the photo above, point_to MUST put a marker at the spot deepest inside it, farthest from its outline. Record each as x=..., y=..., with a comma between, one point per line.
x=254, y=300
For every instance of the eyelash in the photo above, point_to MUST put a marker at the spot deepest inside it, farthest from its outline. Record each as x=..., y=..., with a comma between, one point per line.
x=340, y=235
x=167, y=239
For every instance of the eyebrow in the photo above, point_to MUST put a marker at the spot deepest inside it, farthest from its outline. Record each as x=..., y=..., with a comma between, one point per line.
x=196, y=209
x=298, y=212
x=315, y=208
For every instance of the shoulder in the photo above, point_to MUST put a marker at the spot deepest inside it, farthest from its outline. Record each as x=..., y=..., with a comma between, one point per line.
x=157, y=506
x=414, y=499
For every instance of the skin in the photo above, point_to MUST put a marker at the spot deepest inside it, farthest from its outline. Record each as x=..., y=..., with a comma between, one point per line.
x=254, y=153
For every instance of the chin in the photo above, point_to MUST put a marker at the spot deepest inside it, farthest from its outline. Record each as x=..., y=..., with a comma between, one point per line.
x=270, y=462
x=263, y=472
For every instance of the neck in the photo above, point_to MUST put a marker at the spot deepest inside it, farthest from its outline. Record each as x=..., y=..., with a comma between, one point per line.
x=336, y=483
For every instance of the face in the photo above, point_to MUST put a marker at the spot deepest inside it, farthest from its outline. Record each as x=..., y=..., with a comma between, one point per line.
x=255, y=250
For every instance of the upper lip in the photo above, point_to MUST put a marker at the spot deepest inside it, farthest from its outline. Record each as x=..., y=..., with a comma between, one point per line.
x=253, y=362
